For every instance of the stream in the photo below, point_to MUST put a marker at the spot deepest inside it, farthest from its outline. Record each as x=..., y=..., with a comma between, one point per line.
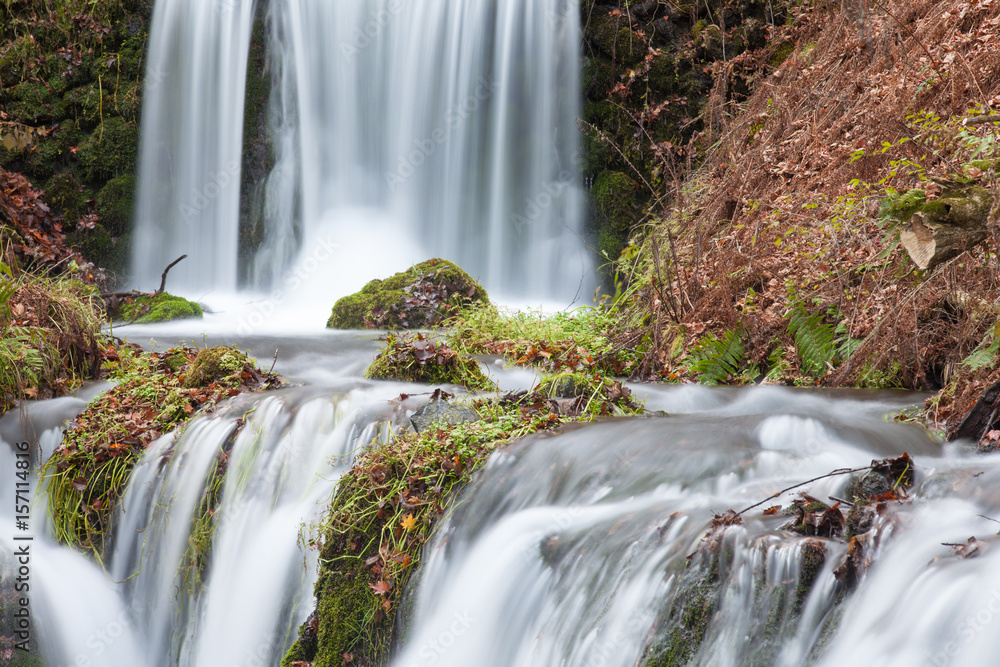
x=394, y=132
x=567, y=549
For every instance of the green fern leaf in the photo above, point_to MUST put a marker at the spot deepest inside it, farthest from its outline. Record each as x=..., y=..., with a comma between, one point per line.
x=814, y=340
x=714, y=359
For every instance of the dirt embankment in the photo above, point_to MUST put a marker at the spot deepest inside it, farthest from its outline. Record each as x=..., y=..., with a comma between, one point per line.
x=778, y=255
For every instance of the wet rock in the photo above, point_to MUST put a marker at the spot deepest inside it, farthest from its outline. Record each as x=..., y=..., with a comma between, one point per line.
x=869, y=485
x=442, y=411
x=422, y=296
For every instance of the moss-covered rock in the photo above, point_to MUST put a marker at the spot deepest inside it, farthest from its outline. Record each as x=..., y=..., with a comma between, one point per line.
x=649, y=75
x=687, y=620
x=213, y=364
x=421, y=296
x=115, y=203
x=414, y=358
x=71, y=80
x=66, y=197
x=101, y=248
x=146, y=309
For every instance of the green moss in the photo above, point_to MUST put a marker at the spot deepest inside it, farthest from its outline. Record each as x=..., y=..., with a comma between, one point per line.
x=598, y=78
x=99, y=247
x=373, y=538
x=812, y=560
x=687, y=622
x=413, y=358
x=34, y=103
x=111, y=150
x=212, y=364
x=614, y=199
x=383, y=303
x=610, y=35
x=66, y=197
x=663, y=75
x=780, y=53
x=160, y=308
x=89, y=472
x=115, y=204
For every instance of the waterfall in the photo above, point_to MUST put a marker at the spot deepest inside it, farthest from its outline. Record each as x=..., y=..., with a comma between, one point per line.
x=281, y=455
x=577, y=549
x=583, y=547
x=448, y=126
x=190, y=147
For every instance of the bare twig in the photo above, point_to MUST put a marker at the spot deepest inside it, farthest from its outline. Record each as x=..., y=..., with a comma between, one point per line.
x=163, y=278
x=839, y=471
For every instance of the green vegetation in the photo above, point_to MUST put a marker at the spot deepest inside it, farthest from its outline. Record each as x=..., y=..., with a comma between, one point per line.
x=422, y=296
x=150, y=308
x=414, y=358
x=71, y=77
x=50, y=335
x=384, y=511
x=568, y=340
x=87, y=474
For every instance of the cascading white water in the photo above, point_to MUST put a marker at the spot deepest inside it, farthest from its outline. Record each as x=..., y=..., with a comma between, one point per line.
x=571, y=550
x=449, y=125
x=284, y=454
x=190, y=148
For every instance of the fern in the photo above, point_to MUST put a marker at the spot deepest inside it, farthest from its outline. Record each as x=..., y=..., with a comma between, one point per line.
x=715, y=358
x=815, y=340
x=7, y=289
x=985, y=355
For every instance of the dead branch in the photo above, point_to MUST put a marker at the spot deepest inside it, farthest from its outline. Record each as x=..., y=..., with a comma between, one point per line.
x=980, y=120
x=839, y=471
x=163, y=278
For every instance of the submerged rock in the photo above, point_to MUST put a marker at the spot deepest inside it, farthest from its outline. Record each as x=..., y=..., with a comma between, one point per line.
x=422, y=296
x=441, y=410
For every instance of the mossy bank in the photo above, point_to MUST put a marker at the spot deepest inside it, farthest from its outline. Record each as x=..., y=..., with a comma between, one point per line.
x=71, y=76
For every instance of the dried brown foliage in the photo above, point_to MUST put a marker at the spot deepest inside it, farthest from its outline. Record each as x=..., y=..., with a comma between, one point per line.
x=785, y=205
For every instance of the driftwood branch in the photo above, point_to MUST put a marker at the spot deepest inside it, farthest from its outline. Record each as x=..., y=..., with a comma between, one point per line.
x=980, y=120
x=163, y=278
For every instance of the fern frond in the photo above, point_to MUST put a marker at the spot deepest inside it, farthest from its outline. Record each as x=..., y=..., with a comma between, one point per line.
x=715, y=358
x=986, y=353
x=814, y=340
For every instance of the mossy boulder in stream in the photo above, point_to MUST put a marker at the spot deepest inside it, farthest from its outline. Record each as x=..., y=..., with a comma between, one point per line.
x=149, y=308
x=421, y=296
x=414, y=358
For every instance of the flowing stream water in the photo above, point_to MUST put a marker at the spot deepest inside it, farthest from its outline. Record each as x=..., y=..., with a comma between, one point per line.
x=567, y=549
x=400, y=130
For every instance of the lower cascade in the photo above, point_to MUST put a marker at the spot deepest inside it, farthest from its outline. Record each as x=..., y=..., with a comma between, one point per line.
x=600, y=545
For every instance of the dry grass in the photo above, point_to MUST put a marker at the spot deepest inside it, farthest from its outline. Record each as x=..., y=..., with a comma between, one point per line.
x=785, y=207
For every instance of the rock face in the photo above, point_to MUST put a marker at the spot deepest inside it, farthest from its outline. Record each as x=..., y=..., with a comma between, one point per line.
x=947, y=226
x=419, y=297
x=441, y=410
